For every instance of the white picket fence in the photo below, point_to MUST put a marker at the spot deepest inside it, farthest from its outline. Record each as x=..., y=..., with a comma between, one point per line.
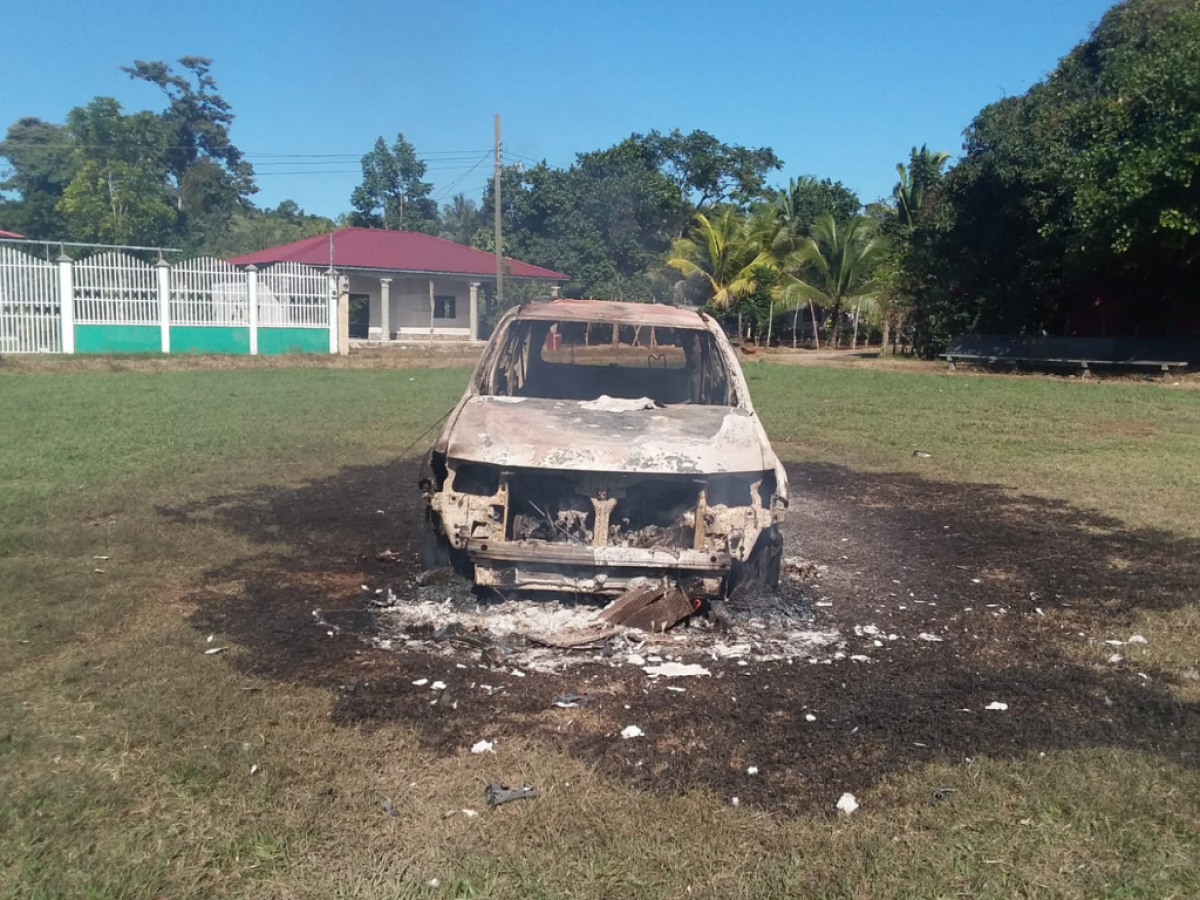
x=30, y=312
x=114, y=288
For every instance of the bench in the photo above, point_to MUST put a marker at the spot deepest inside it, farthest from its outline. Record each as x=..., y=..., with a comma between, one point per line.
x=1165, y=354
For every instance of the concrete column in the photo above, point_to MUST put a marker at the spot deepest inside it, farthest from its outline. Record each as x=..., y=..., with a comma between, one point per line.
x=66, y=302
x=252, y=299
x=385, y=302
x=474, y=301
x=343, y=309
x=331, y=276
x=163, y=269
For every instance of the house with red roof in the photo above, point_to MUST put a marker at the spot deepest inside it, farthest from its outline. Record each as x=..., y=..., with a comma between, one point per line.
x=404, y=284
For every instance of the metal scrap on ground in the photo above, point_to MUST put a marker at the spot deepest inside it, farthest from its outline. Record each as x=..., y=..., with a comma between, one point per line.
x=498, y=794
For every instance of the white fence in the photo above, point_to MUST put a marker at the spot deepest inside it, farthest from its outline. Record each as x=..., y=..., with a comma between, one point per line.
x=30, y=311
x=114, y=288
x=209, y=292
x=293, y=295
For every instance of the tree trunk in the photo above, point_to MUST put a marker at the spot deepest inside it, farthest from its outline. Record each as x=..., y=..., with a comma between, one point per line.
x=812, y=311
x=835, y=330
x=887, y=328
x=740, y=341
x=857, y=313
x=795, y=324
x=770, y=323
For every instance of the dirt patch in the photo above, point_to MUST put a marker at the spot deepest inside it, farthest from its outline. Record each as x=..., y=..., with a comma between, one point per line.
x=946, y=598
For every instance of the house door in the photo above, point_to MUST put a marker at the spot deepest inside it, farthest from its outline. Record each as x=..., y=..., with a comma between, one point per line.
x=360, y=316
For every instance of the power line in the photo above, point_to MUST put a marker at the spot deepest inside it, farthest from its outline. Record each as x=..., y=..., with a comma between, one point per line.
x=448, y=189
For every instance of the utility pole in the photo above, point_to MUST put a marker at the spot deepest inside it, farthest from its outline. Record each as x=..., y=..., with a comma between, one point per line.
x=496, y=215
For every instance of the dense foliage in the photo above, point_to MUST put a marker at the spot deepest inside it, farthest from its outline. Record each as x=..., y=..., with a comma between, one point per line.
x=1076, y=208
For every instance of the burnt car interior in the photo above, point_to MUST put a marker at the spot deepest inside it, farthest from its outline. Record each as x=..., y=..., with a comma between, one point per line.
x=587, y=360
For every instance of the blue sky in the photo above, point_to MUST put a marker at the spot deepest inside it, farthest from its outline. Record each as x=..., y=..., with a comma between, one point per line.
x=838, y=89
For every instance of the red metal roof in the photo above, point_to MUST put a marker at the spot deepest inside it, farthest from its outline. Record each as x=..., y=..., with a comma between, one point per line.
x=396, y=251
x=10, y=234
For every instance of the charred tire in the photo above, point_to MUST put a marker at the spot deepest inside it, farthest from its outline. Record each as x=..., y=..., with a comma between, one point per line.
x=764, y=564
x=436, y=551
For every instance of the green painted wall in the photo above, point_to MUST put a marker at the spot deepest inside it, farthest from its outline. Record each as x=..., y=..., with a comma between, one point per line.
x=293, y=340
x=118, y=339
x=209, y=339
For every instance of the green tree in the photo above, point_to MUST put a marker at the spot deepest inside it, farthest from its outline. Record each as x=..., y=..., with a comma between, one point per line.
x=708, y=172
x=208, y=176
x=837, y=264
x=392, y=193
x=741, y=261
x=917, y=182
x=256, y=229
x=39, y=161
x=607, y=220
x=804, y=200
x=461, y=220
x=1075, y=208
x=118, y=191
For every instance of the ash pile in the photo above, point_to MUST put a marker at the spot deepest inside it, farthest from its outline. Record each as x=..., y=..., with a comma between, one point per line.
x=446, y=615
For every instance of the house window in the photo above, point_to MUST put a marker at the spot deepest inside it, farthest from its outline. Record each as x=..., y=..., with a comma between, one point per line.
x=443, y=308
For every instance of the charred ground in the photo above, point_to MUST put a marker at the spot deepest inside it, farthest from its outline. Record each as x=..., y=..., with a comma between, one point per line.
x=1009, y=583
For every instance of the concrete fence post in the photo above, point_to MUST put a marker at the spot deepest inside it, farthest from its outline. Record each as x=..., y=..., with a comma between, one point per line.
x=343, y=315
x=163, y=269
x=66, y=302
x=331, y=280
x=252, y=299
x=474, y=301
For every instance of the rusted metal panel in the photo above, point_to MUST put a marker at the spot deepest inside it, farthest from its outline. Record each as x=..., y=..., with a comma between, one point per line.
x=614, y=311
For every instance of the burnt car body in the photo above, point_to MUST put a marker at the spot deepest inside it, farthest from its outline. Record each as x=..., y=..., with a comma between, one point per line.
x=600, y=442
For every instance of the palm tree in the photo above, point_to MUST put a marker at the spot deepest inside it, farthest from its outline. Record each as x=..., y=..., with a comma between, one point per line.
x=460, y=220
x=723, y=253
x=837, y=265
x=924, y=171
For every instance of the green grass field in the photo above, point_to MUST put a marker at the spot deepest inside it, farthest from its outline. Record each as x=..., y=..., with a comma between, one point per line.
x=126, y=753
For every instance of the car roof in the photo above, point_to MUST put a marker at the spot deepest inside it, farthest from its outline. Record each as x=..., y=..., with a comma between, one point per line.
x=566, y=310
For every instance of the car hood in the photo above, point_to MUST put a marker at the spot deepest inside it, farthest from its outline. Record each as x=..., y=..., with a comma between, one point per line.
x=607, y=435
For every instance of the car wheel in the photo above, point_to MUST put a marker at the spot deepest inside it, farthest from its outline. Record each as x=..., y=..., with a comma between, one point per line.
x=765, y=562
x=436, y=551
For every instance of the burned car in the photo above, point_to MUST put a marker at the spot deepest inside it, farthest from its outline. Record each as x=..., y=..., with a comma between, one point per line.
x=600, y=445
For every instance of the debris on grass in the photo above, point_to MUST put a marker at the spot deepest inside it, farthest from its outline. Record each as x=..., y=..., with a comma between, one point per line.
x=389, y=807
x=498, y=794
x=809, y=717
x=572, y=699
x=631, y=731
x=675, y=670
x=752, y=770
x=847, y=803
x=921, y=454
x=483, y=747
x=926, y=636
x=1137, y=639
x=997, y=706
x=438, y=686
x=211, y=650
x=421, y=682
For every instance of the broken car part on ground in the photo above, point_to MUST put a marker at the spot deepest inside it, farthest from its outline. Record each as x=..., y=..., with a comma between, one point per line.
x=604, y=446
